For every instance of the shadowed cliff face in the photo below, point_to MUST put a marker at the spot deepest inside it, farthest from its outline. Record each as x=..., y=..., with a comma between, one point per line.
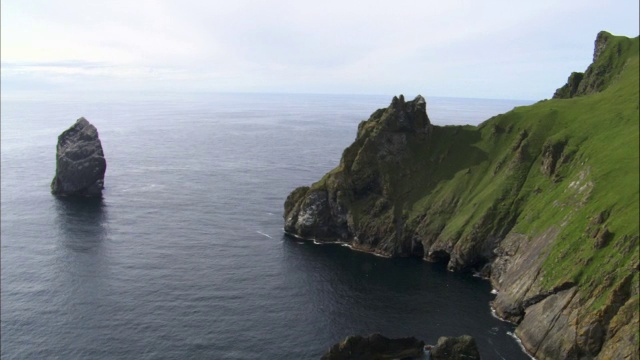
x=542, y=200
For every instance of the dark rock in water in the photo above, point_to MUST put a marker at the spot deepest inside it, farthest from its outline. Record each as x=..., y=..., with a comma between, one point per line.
x=80, y=163
x=375, y=347
x=456, y=348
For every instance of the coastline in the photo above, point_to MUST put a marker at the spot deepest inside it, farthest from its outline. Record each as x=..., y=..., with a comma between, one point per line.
x=362, y=250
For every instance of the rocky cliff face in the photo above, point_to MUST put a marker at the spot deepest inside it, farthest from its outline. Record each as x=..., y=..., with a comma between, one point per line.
x=537, y=200
x=324, y=211
x=80, y=163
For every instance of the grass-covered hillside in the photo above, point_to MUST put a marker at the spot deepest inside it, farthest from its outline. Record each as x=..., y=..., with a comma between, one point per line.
x=568, y=167
x=571, y=163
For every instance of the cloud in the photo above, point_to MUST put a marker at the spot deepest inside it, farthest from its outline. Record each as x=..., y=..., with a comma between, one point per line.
x=455, y=48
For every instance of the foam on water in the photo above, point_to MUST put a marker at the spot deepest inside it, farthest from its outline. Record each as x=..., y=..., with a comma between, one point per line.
x=263, y=234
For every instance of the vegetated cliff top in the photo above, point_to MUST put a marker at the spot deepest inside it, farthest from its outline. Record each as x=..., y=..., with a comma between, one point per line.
x=610, y=55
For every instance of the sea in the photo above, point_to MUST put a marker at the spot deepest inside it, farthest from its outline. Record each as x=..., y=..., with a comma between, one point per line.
x=185, y=256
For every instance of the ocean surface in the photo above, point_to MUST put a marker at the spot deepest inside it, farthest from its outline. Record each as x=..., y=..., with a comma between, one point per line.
x=185, y=256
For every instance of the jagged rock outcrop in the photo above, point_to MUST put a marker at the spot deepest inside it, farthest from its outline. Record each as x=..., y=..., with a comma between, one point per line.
x=322, y=212
x=553, y=156
x=375, y=347
x=570, y=89
x=606, y=64
x=80, y=162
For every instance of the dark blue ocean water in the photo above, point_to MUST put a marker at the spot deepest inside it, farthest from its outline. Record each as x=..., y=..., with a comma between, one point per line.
x=185, y=256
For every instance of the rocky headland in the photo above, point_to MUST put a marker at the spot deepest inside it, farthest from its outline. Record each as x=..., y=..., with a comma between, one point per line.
x=542, y=200
x=80, y=162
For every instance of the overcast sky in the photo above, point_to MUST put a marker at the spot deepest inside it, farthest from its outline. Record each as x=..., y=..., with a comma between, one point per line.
x=481, y=49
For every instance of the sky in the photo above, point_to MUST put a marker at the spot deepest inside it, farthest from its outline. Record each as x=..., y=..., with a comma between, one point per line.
x=474, y=49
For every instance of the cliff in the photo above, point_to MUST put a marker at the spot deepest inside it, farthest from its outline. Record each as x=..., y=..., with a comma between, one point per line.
x=543, y=200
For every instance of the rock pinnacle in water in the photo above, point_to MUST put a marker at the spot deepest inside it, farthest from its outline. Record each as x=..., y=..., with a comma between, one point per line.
x=80, y=163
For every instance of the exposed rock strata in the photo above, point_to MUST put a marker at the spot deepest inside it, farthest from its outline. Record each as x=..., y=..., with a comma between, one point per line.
x=80, y=162
x=546, y=329
x=515, y=271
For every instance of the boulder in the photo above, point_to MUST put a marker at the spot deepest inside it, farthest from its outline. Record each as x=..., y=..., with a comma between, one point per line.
x=80, y=163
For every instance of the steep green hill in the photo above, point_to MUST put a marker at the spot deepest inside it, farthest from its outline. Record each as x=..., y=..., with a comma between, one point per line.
x=543, y=199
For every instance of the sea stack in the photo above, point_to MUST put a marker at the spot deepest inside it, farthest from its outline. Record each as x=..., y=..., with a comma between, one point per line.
x=80, y=163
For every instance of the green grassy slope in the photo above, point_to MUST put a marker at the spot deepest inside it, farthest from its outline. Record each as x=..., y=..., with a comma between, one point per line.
x=569, y=163
x=492, y=178
x=455, y=192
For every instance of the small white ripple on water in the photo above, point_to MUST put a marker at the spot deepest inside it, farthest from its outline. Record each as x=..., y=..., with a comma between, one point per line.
x=144, y=188
x=261, y=233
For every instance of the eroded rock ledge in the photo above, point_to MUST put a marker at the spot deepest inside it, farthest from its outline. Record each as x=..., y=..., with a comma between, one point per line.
x=80, y=162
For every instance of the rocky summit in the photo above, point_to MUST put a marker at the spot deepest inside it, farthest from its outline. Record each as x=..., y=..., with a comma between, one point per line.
x=541, y=200
x=80, y=162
